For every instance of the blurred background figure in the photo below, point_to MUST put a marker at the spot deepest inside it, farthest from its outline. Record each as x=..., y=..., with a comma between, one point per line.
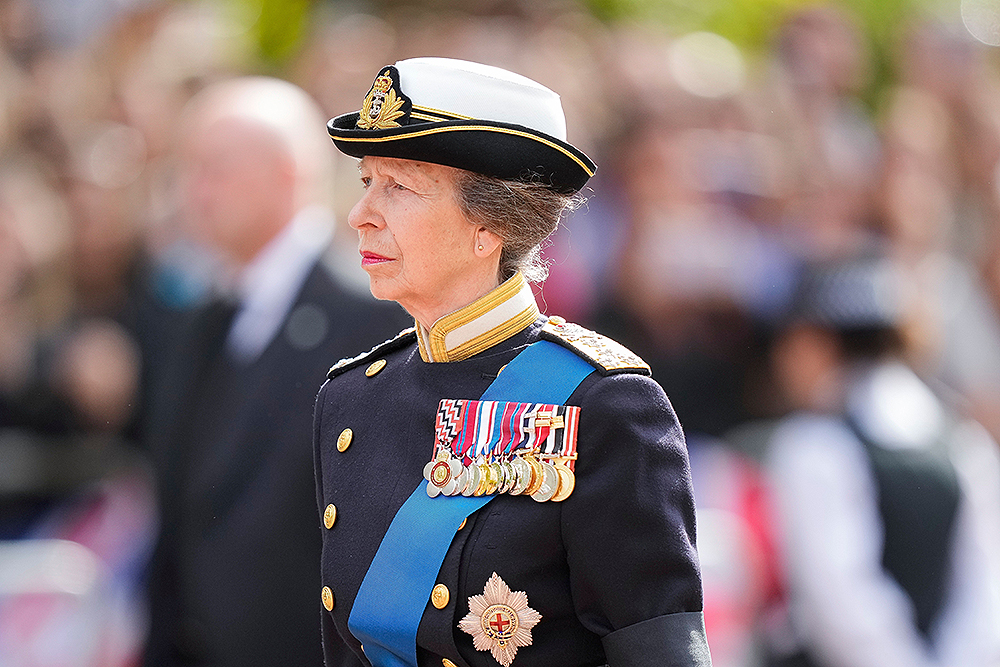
x=697, y=269
x=235, y=579
x=822, y=66
x=885, y=496
x=939, y=203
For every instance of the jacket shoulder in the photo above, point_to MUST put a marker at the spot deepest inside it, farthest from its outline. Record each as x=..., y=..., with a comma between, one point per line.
x=402, y=339
x=609, y=356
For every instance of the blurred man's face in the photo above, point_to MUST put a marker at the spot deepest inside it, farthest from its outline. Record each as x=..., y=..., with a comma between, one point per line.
x=238, y=185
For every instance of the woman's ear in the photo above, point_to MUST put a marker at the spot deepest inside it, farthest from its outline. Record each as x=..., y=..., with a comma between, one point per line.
x=487, y=242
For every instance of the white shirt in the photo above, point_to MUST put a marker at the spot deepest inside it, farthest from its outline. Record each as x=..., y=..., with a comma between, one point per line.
x=269, y=285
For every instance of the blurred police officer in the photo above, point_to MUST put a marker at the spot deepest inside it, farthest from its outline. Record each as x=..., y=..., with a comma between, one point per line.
x=881, y=525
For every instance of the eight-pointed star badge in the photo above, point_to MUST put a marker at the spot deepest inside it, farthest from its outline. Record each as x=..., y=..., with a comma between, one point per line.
x=500, y=620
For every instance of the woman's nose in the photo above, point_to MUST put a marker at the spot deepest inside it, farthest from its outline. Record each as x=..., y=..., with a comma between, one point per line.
x=364, y=213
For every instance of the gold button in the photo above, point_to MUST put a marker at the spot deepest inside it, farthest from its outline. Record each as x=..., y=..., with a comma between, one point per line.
x=344, y=440
x=463, y=523
x=375, y=368
x=328, y=598
x=330, y=516
x=440, y=596
x=555, y=319
x=445, y=662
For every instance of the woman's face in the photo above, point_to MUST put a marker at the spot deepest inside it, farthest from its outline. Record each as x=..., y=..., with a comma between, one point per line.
x=416, y=244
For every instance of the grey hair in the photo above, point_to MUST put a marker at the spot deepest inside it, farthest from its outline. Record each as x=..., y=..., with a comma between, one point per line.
x=522, y=213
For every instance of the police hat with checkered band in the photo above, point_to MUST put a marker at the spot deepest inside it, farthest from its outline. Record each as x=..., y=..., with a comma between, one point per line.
x=466, y=115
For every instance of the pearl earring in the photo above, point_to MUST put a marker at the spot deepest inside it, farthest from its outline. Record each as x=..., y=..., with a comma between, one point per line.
x=480, y=246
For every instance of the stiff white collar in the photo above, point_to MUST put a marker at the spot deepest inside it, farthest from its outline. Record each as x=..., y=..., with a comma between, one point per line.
x=495, y=317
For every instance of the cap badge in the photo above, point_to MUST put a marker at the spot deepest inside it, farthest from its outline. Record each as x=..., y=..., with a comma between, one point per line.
x=383, y=104
x=500, y=620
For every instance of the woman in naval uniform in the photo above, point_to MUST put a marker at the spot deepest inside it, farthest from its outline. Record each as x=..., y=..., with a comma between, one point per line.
x=496, y=487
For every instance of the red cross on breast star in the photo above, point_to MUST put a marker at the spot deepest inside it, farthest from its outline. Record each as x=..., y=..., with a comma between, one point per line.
x=500, y=620
x=499, y=624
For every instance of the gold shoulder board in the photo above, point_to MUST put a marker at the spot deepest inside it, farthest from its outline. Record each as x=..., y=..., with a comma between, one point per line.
x=608, y=355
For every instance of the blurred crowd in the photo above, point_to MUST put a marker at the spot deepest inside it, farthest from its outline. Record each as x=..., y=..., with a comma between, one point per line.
x=729, y=184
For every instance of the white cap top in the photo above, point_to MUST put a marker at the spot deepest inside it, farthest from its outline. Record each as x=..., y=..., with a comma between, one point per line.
x=483, y=92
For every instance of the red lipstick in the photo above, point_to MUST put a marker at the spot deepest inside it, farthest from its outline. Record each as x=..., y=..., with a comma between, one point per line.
x=370, y=258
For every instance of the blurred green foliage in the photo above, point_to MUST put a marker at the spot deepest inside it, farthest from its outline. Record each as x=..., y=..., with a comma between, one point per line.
x=276, y=27
x=752, y=24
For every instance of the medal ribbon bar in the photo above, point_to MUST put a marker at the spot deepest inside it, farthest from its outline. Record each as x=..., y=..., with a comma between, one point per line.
x=496, y=430
x=484, y=447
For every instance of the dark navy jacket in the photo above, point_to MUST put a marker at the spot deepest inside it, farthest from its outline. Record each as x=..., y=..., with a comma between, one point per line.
x=612, y=569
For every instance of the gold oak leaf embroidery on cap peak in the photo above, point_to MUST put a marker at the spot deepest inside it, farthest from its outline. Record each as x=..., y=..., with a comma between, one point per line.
x=381, y=107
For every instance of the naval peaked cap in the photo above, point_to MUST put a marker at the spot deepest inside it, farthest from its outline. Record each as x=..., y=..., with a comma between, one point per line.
x=465, y=115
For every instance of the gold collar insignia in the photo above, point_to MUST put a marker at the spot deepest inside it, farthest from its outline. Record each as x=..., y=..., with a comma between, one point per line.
x=491, y=319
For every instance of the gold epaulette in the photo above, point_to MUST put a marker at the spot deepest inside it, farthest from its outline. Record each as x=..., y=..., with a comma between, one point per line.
x=607, y=355
x=399, y=340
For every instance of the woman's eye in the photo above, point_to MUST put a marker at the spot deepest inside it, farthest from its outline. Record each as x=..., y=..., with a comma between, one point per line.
x=366, y=181
x=398, y=186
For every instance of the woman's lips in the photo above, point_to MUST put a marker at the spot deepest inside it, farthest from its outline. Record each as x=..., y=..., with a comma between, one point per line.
x=371, y=258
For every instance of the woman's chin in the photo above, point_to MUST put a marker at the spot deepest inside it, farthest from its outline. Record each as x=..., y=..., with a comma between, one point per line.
x=381, y=289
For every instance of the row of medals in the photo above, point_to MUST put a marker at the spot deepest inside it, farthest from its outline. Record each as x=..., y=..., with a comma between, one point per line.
x=523, y=474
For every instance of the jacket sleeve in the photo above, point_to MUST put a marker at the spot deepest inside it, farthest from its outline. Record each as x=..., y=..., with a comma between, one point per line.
x=629, y=528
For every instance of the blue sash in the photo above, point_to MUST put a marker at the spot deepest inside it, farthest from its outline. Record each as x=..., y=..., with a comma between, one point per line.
x=397, y=586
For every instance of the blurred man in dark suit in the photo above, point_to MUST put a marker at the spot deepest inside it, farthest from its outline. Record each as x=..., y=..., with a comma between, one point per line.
x=235, y=579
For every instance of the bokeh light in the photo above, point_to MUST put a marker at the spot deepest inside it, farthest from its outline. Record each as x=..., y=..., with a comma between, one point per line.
x=982, y=20
x=707, y=65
